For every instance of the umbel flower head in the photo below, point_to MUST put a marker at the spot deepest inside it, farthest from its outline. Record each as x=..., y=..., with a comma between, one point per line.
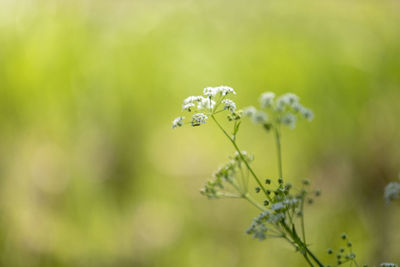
x=229, y=178
x=198, y=119
x=284, y=110
x=206, y=105
x=267, y=99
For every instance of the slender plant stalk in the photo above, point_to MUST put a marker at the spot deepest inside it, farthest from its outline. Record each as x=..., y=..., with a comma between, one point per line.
x=308, y=260
x=278, y=149
x=241, y=156
x=302, y=246
x=294, y=235
x=303, y=232
x=252, y=201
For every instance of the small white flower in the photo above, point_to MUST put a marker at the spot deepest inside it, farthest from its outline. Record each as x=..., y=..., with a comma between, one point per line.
x=278, y=206
x=307, y=114
x=288, y=99
x=188, y=106
x=205, y=103
x=289, y=120
x=280, y=104
x=260, y=117
x=267, y=99
x=392, y=191
x=210, y=91
x=291, y=98
x=202, y=103
x=178, y=122
x=224, y=90
x=297, y=107
x=198, y=119
x=191, y=99
x=229, y=105
x=249, y=111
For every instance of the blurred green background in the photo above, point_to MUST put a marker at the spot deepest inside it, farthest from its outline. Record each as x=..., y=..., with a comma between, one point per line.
x=91, y=173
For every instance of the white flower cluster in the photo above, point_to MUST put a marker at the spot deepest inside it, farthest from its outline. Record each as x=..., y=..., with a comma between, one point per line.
x=257, y=116
x=285, y=204
x=198, y=119
x=229, y=105
x=199, y=101
x=289, y=120
x=223, y=90
x=205, y=105
x=249, y=111
x=284, y=110
x=267, y=99
x=178, y=122
x=392, y=191
x=290, y=103
x=385, y=264
x=288, y=99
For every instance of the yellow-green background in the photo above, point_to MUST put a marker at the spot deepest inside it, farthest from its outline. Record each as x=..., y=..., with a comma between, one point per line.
x=91, y=173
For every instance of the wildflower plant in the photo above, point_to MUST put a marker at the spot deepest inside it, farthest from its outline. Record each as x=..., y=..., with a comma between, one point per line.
x=282, y=206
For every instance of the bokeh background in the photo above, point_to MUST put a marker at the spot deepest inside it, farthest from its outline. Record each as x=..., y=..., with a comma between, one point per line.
x=91, y=173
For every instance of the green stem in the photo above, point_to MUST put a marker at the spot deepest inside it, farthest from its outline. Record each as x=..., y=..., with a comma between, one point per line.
x=243, y=179
x=314, y=257
x=242, y=157
x=278, y=150
x=303, y=246
x=303, y=232
x=308, y=260
x=252, y=201
x=229, y=195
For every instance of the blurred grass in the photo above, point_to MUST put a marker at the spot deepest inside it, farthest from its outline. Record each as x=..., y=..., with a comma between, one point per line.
x=92, y=175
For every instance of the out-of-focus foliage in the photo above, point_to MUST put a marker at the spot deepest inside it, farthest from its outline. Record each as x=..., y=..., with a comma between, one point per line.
x=91, y=173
